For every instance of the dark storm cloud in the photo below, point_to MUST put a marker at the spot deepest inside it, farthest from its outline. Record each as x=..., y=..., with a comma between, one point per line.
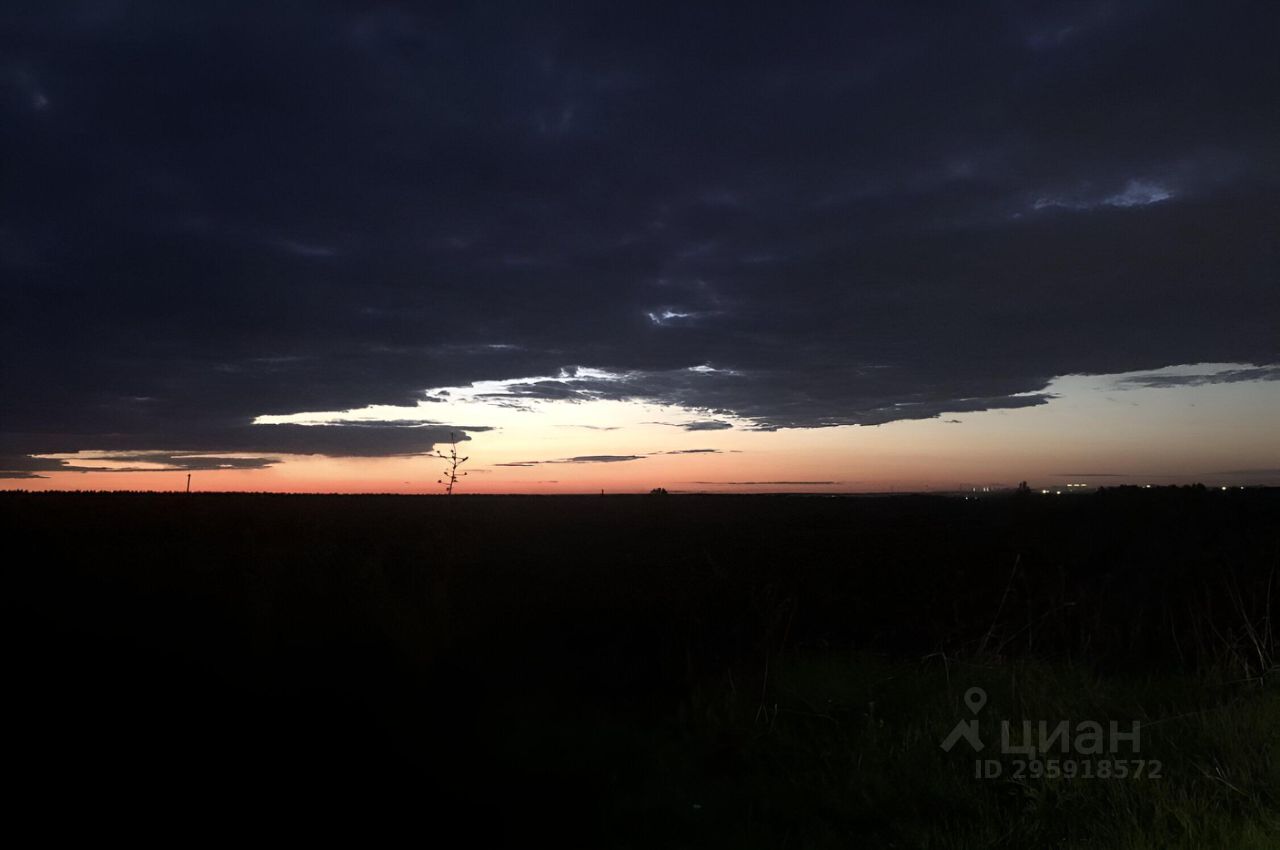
x=1229, y=376
x=579, y=459
x=606, y=458
x=862, y=213
x=22, y=465
x=707, y=425
x=787, y=404
x=350, y=440
x=25, y=463
x=701, y=425
x=174, y=462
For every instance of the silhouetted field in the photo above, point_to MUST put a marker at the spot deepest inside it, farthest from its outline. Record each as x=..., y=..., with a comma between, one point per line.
x=677, y=671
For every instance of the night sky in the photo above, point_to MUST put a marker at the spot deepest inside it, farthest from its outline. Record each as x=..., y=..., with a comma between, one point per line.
x=631, y=245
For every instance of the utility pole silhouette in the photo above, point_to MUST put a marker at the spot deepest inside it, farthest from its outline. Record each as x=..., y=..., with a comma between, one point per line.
x=188, y=482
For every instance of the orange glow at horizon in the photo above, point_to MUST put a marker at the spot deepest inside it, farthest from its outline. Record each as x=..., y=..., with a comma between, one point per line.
x=1096, y=430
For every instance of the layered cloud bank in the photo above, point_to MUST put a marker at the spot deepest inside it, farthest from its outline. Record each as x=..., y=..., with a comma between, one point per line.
x=849, y=216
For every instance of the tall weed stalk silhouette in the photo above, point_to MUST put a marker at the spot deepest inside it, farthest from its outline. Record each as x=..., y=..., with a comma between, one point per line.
x=452, y=461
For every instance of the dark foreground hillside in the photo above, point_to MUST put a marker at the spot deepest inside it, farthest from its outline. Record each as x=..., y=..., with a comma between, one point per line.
x=681, y=671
